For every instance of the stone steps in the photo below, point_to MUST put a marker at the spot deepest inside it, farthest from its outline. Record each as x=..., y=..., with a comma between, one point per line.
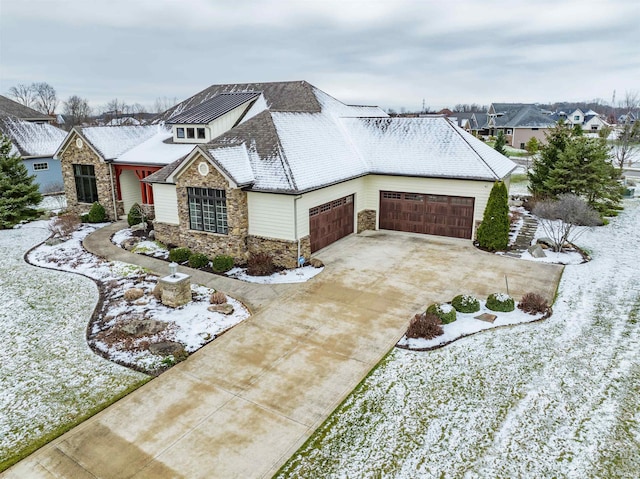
x=524, y=238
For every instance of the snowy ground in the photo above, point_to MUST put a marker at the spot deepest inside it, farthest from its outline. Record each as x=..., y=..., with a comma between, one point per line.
x=158, y=250
x=558, y=398
x=50, y=378
x=192, y=325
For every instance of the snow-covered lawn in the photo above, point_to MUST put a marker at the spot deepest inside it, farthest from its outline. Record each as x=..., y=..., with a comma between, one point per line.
x=557, y=398
x=49, y=377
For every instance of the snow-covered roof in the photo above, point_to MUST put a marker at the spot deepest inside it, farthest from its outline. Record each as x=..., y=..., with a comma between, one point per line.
x=280, y=150
x=113, y=141
x=213, y=108
x=32, y=139
x=156, y=150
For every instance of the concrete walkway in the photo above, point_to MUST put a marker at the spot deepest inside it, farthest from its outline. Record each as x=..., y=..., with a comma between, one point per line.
x=240, y=406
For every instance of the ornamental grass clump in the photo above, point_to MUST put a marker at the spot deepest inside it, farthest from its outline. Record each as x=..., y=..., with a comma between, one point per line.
x=444, y=311
x=465, y=303
x=500, y=302
x=198, y=260
x=222, y=263
x=218, y=297
x=424, y=325
x=260, y=264
x=533, y=303
x=179, y=255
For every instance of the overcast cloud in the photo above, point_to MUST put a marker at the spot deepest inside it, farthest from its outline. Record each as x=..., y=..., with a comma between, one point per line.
x=392, y=53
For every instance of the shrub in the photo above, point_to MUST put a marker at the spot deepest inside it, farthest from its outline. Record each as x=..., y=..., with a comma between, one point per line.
x=218, y=297
x=97, y=214
x=260, y=264
x=222, y=263
x=198, y=260
x=493, y=232
x=465, y=303
x=426, y=326
x=445, y=312
x=135, y=215
x=500, y=302
x=62, y=226
x=179, y=255
x=133, y=294
x=533, y=303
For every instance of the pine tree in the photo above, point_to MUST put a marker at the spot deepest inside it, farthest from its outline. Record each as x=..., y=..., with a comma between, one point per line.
x=18, y=193
x=557, y=141
x=500, y=142
x=493, y=232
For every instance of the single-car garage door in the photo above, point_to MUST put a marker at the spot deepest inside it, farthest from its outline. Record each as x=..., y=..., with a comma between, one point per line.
x=430, y=214
x=330, y=222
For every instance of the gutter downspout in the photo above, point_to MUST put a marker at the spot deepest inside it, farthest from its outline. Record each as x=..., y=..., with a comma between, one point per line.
x=295, y=223
x=113, y=194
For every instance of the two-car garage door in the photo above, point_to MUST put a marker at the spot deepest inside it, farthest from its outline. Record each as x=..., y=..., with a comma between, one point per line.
x=425, y=213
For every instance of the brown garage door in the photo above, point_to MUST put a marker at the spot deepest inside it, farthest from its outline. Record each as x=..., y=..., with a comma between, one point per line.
x=330, y=222
x=430, y=214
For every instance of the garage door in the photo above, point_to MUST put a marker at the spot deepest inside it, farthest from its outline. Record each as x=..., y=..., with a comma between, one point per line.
x=330, y=222
x=429, y=214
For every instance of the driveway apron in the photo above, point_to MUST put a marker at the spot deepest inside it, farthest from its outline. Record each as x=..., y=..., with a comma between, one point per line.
x=243, y=404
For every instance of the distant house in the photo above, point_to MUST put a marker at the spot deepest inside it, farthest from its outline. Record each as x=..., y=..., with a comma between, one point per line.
x=590, y=121
x=36, y=140
x=629, y=117
x=519, y=121
x=285, y=169
x=472, y=121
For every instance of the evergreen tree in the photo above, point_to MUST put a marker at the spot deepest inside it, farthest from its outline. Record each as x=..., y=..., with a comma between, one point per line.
x=574, y=164
x=493, y=232
x=18, y=193
x=500, y=142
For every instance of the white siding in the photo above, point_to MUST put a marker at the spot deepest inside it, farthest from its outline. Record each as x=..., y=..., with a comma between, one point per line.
x=271, y=215
x=478, y=189
x=216, y=128
x=166, y=203
x=130, y=189
x=309, y=200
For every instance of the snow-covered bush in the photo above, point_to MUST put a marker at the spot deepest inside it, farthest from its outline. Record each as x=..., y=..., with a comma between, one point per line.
x=444, y=311
x=426, y=326
x=465, y=303
x=500, y=302
x=62, y=226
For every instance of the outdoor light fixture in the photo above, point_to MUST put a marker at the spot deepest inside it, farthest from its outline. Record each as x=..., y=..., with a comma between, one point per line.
x=173, y=268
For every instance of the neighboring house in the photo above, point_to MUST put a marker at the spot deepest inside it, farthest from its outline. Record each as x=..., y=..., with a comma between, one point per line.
x=472, y=121
x=590, y=121
x=519, y=121
x=35, y=139
x=629, y=117
x=286, y=169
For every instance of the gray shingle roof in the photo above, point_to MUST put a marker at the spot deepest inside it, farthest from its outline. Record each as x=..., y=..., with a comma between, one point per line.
x=8, y=107
x=213, y=108
x=279, y=96
x=521, y=115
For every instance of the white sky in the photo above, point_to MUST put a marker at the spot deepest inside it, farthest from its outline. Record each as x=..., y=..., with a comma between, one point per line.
x=392, y=53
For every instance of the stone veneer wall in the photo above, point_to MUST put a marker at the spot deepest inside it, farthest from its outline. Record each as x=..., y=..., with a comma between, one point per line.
x=284, y=252
x=366, y=220
x=73, y=155
x=233, y=243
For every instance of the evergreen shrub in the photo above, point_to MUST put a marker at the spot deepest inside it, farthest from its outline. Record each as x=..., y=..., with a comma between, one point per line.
x=198, y=260
x=179, y=255
x=222, y=263
x=465, y=303
x=444, y=311
x=97, y=214
x=493, y=232
x=500, y=302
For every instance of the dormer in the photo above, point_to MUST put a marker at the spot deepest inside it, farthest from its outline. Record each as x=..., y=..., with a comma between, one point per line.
x=211, y=118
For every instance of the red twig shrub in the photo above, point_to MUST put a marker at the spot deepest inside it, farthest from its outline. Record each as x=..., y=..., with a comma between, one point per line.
x=424, y=325
x=260, y=264
x=533, y=303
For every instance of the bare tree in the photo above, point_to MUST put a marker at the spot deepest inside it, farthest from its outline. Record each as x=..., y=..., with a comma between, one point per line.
x=23, y=94
x=162, y=104
x=45, y=97
x=627, y=142
x=76, y=111
x=565, y=219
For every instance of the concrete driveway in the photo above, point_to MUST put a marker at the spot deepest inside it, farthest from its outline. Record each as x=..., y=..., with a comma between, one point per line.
x=242, y=405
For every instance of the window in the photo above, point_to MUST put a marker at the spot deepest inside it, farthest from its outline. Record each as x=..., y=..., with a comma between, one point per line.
x=522, y=146
x=207, y=210
x=201, y=135
x=86, y=189
x=191, y=133
x=180, y=132
x=594, y=127
x=576, y=117
x=534, y=129
x=509, y=132
x=40, y=166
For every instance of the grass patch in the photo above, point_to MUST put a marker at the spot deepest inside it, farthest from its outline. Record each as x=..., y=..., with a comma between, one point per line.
x=519, y=178
x=22, y=452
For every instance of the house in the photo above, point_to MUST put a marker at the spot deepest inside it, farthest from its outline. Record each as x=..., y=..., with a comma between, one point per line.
x=590, y=121
x=286, y=169
x=35, y=139
x=471, y=121
x=519, y=121
x=629, y=117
